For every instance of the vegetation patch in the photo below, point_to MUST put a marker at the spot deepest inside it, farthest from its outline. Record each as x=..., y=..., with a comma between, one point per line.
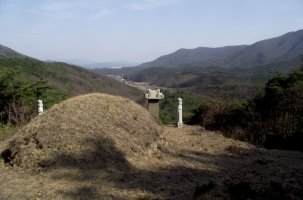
x=271, y=119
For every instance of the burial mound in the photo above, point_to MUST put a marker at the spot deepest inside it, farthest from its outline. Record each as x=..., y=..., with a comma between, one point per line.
x=94, y=130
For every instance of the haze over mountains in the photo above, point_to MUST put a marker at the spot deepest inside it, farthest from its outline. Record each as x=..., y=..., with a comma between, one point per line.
x=89, y=64
x=6, y=52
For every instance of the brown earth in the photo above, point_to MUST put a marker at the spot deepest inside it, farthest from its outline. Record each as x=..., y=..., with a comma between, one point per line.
x=82, y=153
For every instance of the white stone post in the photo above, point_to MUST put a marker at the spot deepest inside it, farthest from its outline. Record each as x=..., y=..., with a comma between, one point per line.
x=40, y=106
x=180, y=122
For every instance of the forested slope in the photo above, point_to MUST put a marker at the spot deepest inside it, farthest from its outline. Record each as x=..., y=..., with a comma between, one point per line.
x=24, y=80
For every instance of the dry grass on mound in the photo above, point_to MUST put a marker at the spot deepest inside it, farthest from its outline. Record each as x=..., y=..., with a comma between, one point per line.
x=94, y=130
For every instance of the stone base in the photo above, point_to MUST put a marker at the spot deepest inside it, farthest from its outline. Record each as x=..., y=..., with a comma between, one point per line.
x=153, y=107
x=180, y=124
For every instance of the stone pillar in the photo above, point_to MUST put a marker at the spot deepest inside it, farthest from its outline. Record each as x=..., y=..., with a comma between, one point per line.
x=180, y=122
x=153, y=97
x=40, y=107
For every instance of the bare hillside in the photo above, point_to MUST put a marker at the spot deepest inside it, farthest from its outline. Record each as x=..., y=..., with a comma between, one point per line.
x=6, y=52
x=103, y=147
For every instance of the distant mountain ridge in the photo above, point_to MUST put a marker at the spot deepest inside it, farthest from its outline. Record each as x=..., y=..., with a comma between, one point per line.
x=205, y=55
x=273, y=50
x=6, y=52
x=90, y=64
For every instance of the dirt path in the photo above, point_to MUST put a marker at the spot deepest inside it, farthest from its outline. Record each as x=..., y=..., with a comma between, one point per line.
x=186, y=163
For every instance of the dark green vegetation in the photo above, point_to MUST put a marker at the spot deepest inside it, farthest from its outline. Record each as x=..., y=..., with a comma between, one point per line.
x=24, y=80
x=273, y=118
x=71, y=80
x=168, y=106
x=19, y=95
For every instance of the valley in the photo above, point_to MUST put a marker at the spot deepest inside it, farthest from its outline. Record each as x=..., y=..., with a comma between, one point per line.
x=213, y=71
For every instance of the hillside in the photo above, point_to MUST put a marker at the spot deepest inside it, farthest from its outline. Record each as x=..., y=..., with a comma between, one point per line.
x=275, y=50
x=104, y=147
x=6, y=52
x=69, y=79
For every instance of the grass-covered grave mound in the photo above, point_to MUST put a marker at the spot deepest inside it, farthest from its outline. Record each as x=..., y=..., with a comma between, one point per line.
x=93, y=130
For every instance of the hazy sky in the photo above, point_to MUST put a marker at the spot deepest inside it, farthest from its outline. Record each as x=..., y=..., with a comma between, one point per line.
x=139, y=30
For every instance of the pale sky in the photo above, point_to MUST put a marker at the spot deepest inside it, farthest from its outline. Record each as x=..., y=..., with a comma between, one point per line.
x=139, y=30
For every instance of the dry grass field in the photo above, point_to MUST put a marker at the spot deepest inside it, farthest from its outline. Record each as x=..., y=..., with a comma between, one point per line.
x=103, y=147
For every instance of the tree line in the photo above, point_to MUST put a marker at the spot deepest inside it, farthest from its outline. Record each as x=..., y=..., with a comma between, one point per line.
x=273, y=118
x=19, y=95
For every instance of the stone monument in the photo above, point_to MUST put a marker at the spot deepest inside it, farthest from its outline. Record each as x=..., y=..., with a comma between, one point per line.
x=40, y=106
x=180, y=122
x=153, y=97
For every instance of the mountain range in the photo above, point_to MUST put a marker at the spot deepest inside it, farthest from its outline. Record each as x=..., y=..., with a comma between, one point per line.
x=208, y=71
x=274, y=50
x=285, y=48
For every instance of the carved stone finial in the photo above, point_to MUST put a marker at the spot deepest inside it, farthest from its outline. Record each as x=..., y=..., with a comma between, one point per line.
x=40, y=106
